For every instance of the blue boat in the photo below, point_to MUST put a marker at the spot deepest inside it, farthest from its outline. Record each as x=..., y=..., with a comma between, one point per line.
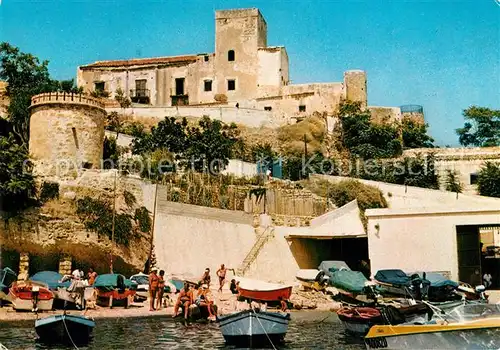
x=7, y=277
x=64, y=329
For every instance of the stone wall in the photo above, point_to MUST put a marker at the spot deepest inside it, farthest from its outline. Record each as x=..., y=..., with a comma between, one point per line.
x=385, y=115
x=66, y=132
x=355, y=86
x=4, y=99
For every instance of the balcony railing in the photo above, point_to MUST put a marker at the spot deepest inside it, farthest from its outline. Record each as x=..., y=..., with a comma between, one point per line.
x=140, y=96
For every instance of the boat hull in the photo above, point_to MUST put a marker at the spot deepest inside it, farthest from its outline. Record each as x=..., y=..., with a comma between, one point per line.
x=249, y=328
x=21, y=297
x=266, y=295
x=55, y=329
x=358, y=320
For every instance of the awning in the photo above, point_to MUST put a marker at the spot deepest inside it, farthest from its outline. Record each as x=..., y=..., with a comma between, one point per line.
x=343, y=222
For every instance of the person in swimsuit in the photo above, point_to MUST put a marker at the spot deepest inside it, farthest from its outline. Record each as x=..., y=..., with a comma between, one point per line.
x=202, y=300
x=205, y=279
x=222, y=276
x=153, y=288
x=161, y=289
x=185, y=298
x=92, y=275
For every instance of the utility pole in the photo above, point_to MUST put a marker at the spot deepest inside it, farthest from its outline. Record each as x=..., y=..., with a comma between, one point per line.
x=305, y=157
x=113, y=223
x=152, y=229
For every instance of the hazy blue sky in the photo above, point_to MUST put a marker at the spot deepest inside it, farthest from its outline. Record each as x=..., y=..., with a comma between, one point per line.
x=444, y=55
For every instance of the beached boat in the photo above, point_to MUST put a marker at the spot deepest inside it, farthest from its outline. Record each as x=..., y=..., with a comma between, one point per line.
x=66, y=329
x=7, y=277
x=394, y=282
x=142, y=290
x=114, y=287
x=475, y=326
x=250, y=328
x=331, y=266
x=312, y=278
x=30, y=296
x=440, y=289
x=263, y=291
x=358, y=320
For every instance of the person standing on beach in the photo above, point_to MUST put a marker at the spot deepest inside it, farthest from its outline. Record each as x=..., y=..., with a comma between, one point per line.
x=153, y=288
x=205, y=279
x=161, y=289
x=91, y=275
x=221, y=273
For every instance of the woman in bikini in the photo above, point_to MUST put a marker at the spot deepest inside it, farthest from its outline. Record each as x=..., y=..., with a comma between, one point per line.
x=186, y=299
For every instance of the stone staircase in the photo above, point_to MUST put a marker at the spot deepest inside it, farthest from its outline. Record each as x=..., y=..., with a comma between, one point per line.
x=255, y=250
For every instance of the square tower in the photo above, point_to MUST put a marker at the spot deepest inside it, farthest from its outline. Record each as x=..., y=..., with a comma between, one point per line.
x=238, y=35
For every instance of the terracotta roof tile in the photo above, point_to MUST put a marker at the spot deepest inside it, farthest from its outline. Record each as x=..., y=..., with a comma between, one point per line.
x=142, y=61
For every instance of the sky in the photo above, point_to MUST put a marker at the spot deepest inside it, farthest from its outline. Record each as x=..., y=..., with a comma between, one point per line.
x=443, y=55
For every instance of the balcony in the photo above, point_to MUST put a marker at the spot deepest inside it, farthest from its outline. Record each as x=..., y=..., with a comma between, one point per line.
x=140, y=96
x=180, y=100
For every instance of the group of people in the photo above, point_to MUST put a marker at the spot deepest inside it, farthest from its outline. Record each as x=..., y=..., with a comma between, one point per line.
x=187, y=298
x=156, y=289
x=221, y=274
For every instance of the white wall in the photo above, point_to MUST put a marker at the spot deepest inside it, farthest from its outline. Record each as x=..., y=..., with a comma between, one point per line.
x=420, y=240
x=240, y=168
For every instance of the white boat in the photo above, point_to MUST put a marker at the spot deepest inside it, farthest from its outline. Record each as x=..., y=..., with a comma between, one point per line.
x=29, y=296
x=263, y=291
x=142, y=291
x=253, y=327
x=471, y=326
x=312, y=278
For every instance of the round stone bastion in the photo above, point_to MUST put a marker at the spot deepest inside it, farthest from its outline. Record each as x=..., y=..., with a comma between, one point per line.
x=66, y=133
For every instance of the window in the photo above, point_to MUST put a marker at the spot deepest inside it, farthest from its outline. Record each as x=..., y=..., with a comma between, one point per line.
x=99, y=86
x=231, y=84
x=140, y=87
x=208, y=85
x=230, y=55
x=206, y=58
x=179, y=86
x=268, y=108
x=473, y=179
x=302, y=108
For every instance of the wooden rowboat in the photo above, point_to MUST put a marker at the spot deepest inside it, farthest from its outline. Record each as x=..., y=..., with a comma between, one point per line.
x=263, y=291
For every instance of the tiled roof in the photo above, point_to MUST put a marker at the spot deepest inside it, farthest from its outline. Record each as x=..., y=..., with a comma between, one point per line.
x=142, y=61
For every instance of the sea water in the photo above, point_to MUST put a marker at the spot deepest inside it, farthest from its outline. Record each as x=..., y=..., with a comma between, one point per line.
x=307, y=330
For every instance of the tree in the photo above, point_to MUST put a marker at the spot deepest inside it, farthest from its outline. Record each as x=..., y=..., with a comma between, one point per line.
x=453, y=182
x=27, y=76
x=17, y=184
x=366, y=139
x=481, y=129
x=168, y=134
x=416, y=171
x=415, y=134
x=488, y=180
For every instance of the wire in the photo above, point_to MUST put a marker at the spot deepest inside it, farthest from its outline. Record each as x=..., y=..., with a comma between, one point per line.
x=258, y=319
x=67, y=331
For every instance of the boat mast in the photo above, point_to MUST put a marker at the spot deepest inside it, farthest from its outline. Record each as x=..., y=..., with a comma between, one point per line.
x=152, y=230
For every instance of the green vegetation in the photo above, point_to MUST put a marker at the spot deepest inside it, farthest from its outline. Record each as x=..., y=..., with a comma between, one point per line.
x=50, y=190
x=97, y=215
x=453, y=182
x=488, y=180
x=482, y=127
x=415, y=134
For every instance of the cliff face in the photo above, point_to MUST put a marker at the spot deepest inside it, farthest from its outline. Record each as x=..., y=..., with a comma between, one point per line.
x=54, y=231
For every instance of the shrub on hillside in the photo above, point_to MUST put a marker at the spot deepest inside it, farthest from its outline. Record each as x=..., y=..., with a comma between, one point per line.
x=49, y=190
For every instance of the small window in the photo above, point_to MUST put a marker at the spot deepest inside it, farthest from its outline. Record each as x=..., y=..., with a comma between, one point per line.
x=230, y=55
x=473, y=179
x=231, y=84
x=302, y=108
x=268, y=108
x=99, y=86
x=206, y=58
x=208, y=85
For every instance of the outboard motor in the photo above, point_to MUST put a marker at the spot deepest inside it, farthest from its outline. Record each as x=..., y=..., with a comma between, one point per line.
x=482, y=295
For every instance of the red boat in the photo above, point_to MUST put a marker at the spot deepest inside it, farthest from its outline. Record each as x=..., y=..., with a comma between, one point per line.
x=359, y=319
x=30, y=296
x=263, y=291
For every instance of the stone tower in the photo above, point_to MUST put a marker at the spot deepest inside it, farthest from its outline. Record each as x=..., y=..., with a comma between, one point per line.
x=238, y=35
x=66, y=133
x=355, y=86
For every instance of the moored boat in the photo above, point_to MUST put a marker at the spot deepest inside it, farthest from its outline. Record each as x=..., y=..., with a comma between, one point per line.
x=358, y=320
x=250, y=328
x=114, y=287
x=263, y=291
x=472, y=326
x=7, y=277
x=66, y=329
x=28, y=296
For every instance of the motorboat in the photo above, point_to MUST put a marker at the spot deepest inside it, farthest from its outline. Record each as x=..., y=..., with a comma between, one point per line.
x=254, y=328
x=263, y=291
x=312, y=278
x=74, y=292
x=7, y=277
x=394, y=281
x=65, y=329
x=142, y=280
x=470, y=326
x=29, y=296
x=114, y=287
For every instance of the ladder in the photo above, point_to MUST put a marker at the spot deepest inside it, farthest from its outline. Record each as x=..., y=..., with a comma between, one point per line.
x=256, y=248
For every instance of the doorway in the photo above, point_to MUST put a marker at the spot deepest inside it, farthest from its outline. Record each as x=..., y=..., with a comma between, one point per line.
x=179, y=86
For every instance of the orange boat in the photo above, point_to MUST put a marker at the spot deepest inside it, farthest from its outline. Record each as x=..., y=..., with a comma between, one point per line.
x=30, y=296
x=263, y=291
x=359, y=319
